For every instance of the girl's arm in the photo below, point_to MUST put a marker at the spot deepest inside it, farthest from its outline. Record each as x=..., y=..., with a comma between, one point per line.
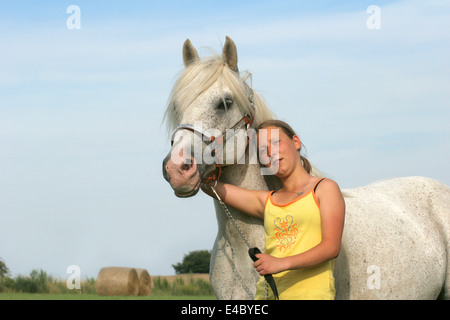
x=251, y=202
x=332, y=212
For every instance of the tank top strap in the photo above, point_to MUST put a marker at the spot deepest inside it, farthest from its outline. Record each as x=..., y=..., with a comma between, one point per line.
x=269, y=195
x=317, y=184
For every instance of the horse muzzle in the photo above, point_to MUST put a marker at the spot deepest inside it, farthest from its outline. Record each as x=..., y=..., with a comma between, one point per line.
x=183, y=176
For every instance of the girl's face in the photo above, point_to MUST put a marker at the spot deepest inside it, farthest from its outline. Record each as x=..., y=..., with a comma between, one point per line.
x=278, y=151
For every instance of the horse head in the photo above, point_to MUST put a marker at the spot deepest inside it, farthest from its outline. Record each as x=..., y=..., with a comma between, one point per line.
x=208, y=99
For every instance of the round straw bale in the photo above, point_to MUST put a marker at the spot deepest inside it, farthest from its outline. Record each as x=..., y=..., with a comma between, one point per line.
x=117, y=281
x=145, y=282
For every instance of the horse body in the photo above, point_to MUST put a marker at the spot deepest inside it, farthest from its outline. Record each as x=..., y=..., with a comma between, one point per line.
x=395, y=240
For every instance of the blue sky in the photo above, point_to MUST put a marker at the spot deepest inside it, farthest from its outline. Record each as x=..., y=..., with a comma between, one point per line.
x=81, y=141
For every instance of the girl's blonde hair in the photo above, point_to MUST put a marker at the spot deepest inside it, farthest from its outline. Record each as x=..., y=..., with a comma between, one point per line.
x=287, y=129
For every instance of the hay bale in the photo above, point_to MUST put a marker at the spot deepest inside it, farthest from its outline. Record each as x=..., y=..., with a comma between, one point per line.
x=117, y=281
x=145, y=282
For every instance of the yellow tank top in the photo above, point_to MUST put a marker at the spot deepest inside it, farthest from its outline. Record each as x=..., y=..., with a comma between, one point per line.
x=291, y=229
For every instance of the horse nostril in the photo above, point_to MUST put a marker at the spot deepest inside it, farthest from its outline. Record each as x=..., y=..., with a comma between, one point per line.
x=165, y=169
x=165, y=175
x=186, y=166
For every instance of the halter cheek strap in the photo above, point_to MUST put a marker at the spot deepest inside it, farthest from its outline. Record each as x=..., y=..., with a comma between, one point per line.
x=246, y=122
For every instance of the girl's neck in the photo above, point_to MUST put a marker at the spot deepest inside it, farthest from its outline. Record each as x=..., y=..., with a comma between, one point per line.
x=296, y=180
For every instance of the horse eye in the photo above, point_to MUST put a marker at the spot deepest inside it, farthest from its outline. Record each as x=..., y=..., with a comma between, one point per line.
x=225, y=104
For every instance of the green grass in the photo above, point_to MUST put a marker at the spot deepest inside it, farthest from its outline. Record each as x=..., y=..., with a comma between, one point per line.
x=71, y=296
x=39, y=286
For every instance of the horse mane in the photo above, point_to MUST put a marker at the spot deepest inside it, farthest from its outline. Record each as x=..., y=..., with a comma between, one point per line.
x=199, y=77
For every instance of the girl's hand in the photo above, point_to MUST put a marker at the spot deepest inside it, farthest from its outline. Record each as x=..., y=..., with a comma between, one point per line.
x=267, y=264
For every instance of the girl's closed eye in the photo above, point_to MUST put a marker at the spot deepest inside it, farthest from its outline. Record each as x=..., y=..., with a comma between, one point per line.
x=262, y=151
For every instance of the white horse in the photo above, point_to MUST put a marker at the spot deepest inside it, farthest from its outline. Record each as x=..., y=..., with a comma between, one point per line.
x=395, y=242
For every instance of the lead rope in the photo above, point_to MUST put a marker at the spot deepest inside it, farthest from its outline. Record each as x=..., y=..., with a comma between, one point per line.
x=268, y=279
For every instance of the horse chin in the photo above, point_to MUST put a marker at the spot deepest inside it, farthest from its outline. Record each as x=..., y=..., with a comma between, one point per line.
x=191, y=193
x=188, y=194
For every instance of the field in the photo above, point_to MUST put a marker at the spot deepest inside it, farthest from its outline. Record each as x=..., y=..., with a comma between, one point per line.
x=179, y=287
x=53, y=296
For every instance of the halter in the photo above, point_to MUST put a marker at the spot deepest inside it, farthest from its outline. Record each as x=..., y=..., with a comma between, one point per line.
x=246, y=122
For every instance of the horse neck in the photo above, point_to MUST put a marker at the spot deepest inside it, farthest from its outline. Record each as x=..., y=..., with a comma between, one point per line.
x=249, y=177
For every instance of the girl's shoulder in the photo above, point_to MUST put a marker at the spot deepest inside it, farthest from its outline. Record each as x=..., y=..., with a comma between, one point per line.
x=326, y=185
x=328, y=190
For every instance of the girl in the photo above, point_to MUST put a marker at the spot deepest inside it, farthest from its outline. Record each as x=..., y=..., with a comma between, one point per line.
x=303, y=221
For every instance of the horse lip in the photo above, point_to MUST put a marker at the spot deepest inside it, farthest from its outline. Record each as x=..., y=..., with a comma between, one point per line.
x=191, y=193
x=187, y=195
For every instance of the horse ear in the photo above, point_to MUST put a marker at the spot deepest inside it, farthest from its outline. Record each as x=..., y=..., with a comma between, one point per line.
x=190, y=54
x=230, y=54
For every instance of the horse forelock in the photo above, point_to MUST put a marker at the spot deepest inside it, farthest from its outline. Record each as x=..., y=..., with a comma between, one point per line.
x=201, y=76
